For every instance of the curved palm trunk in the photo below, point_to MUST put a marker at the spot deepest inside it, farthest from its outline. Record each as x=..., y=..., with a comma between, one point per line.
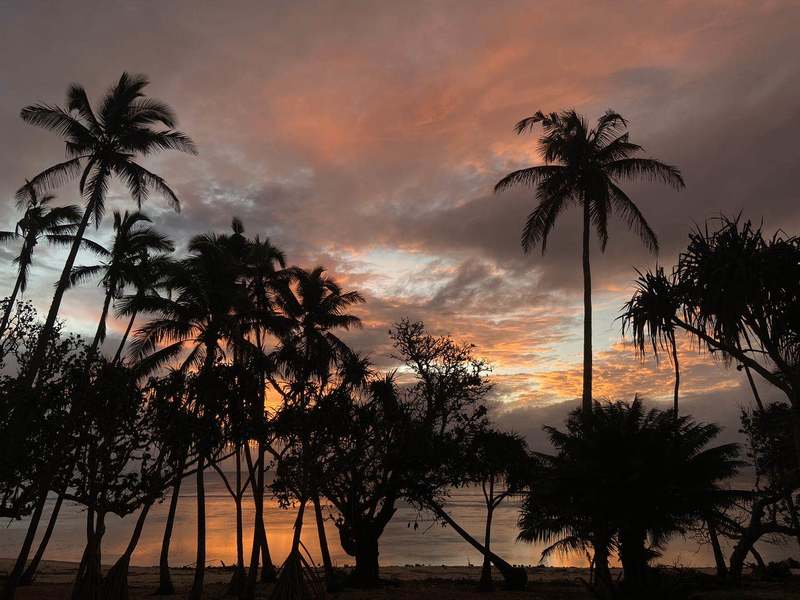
x=323, y=541
x=12, y=582
x=32, y=370
x=165, y=586
x=719, y=558
x=30, y=572
x=10, y=307
x=121, y=347
x=586, y=400
x=100, y=334
x=515, y=577
x=200, y=563
x=115, y=583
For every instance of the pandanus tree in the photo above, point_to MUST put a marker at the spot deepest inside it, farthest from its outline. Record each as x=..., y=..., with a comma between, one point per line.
x=194, y=326
x=131, y=249
x=585, y=166
x=648, y=316
x=735, y=293
x=632, y=480
x=100, y=144
x=40, y=220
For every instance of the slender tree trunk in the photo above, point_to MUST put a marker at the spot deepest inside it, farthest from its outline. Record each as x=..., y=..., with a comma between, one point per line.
x=515, y=577
x=238, y=579
x=719, y=558
x=10, y=307
x=200, y=563
x=37, y=357
x=115, y=583
x=30, y=573
x=121, y=347
x=323, y=541
x=12, y=582
x=677, y=373
x=165, y=586
x=486, y=584
x=100, y=334
x=586, y=401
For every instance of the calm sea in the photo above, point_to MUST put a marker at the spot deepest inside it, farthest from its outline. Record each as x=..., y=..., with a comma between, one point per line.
x=401, y=544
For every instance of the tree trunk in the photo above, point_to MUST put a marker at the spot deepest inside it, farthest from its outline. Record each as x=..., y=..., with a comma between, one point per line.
x=677, y=373
x=200, y=563
x=366, y=573
x=115, y=583
x=10, y=307
x=30, y=572
x=586, y=401
x=719, y=558
x=515, y=577
x=486, y=584
x=100, y=333
x=89, y=578
x=165, y=586
x=633, y=557
x=121, y=347
x=38, y=355
x=10, y=589
x=323, y=542
x=238, y=578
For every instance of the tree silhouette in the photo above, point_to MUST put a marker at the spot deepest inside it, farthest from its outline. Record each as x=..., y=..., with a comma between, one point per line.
x=100, y=144
x=585, y=166
x=631, y=477
x=55, y=224
x=133, y=243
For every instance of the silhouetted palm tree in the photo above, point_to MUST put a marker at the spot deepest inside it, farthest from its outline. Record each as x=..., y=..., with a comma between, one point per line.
x=629, y=477
x=149, y=278
x=201, y=317
x=55, y=224
x=585, y=166
x=133, y=243
x=317, y=308
x=101, y=144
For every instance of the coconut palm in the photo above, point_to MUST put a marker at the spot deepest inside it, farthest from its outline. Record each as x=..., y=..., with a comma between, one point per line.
x=134, y=241
x=40, y=220
x=585, y=166
x=200, y=319
x=317, y=307
x=101, y=144
x=149, y=278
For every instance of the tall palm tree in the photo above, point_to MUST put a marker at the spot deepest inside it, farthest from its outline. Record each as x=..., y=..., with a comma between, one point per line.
x=100, y=144
x=317, y=306
x=40, y=220
x=149, y=278
x=201, y=320
x=585, y=166
x=134, y=242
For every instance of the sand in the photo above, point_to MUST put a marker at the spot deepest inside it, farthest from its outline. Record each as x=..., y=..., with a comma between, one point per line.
x=403, y=583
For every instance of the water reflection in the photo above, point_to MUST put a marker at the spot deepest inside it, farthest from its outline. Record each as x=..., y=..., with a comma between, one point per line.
x=401, y=544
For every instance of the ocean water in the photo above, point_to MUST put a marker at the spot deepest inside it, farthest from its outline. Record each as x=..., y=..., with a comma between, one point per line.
x=402, y=544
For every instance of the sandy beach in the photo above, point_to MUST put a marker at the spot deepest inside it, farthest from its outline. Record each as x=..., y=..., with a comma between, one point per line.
x=402, y=582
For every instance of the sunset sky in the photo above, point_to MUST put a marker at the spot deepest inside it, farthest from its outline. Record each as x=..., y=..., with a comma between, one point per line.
x=368, y=139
